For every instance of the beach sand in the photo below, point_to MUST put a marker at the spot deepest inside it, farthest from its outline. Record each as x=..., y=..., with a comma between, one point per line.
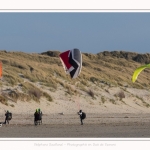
x=68, y=126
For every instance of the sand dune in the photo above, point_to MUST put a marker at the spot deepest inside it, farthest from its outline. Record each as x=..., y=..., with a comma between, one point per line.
x=113, y=117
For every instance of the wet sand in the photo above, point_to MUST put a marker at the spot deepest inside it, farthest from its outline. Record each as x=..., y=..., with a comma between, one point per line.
x=68, y=126
x=76, y=131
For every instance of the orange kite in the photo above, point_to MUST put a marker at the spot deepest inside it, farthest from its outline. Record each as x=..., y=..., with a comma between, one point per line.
x=0, y=69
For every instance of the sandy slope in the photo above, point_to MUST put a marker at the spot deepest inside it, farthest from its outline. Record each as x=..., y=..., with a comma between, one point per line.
x=135, y=101
x=113, y=117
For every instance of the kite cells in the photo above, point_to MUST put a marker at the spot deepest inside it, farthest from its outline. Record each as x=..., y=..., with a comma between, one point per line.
x=72, y=62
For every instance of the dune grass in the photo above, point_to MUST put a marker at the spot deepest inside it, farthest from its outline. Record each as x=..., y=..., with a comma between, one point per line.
x=98, y=70
x=36, y=67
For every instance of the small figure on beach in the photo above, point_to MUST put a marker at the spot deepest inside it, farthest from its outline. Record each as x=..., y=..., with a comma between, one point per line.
x=82, y=116
x=38, y=117
x=8, y=117
x=35, y=116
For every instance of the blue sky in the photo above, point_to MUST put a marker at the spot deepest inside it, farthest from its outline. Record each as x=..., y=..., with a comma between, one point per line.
x=89, y=32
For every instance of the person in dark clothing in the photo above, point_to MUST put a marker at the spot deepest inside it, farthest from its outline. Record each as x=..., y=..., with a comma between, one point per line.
x=80, y=113
x=38, y=117
x=35, y=115
x=8, y=117
x=40, y=114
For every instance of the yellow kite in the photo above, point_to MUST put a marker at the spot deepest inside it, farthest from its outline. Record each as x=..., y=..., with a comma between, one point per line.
x=138, y=71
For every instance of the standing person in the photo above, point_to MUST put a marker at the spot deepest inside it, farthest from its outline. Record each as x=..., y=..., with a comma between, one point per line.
x=8, y=117
x=35, y=115
x=40, y=115
x=82, y=116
